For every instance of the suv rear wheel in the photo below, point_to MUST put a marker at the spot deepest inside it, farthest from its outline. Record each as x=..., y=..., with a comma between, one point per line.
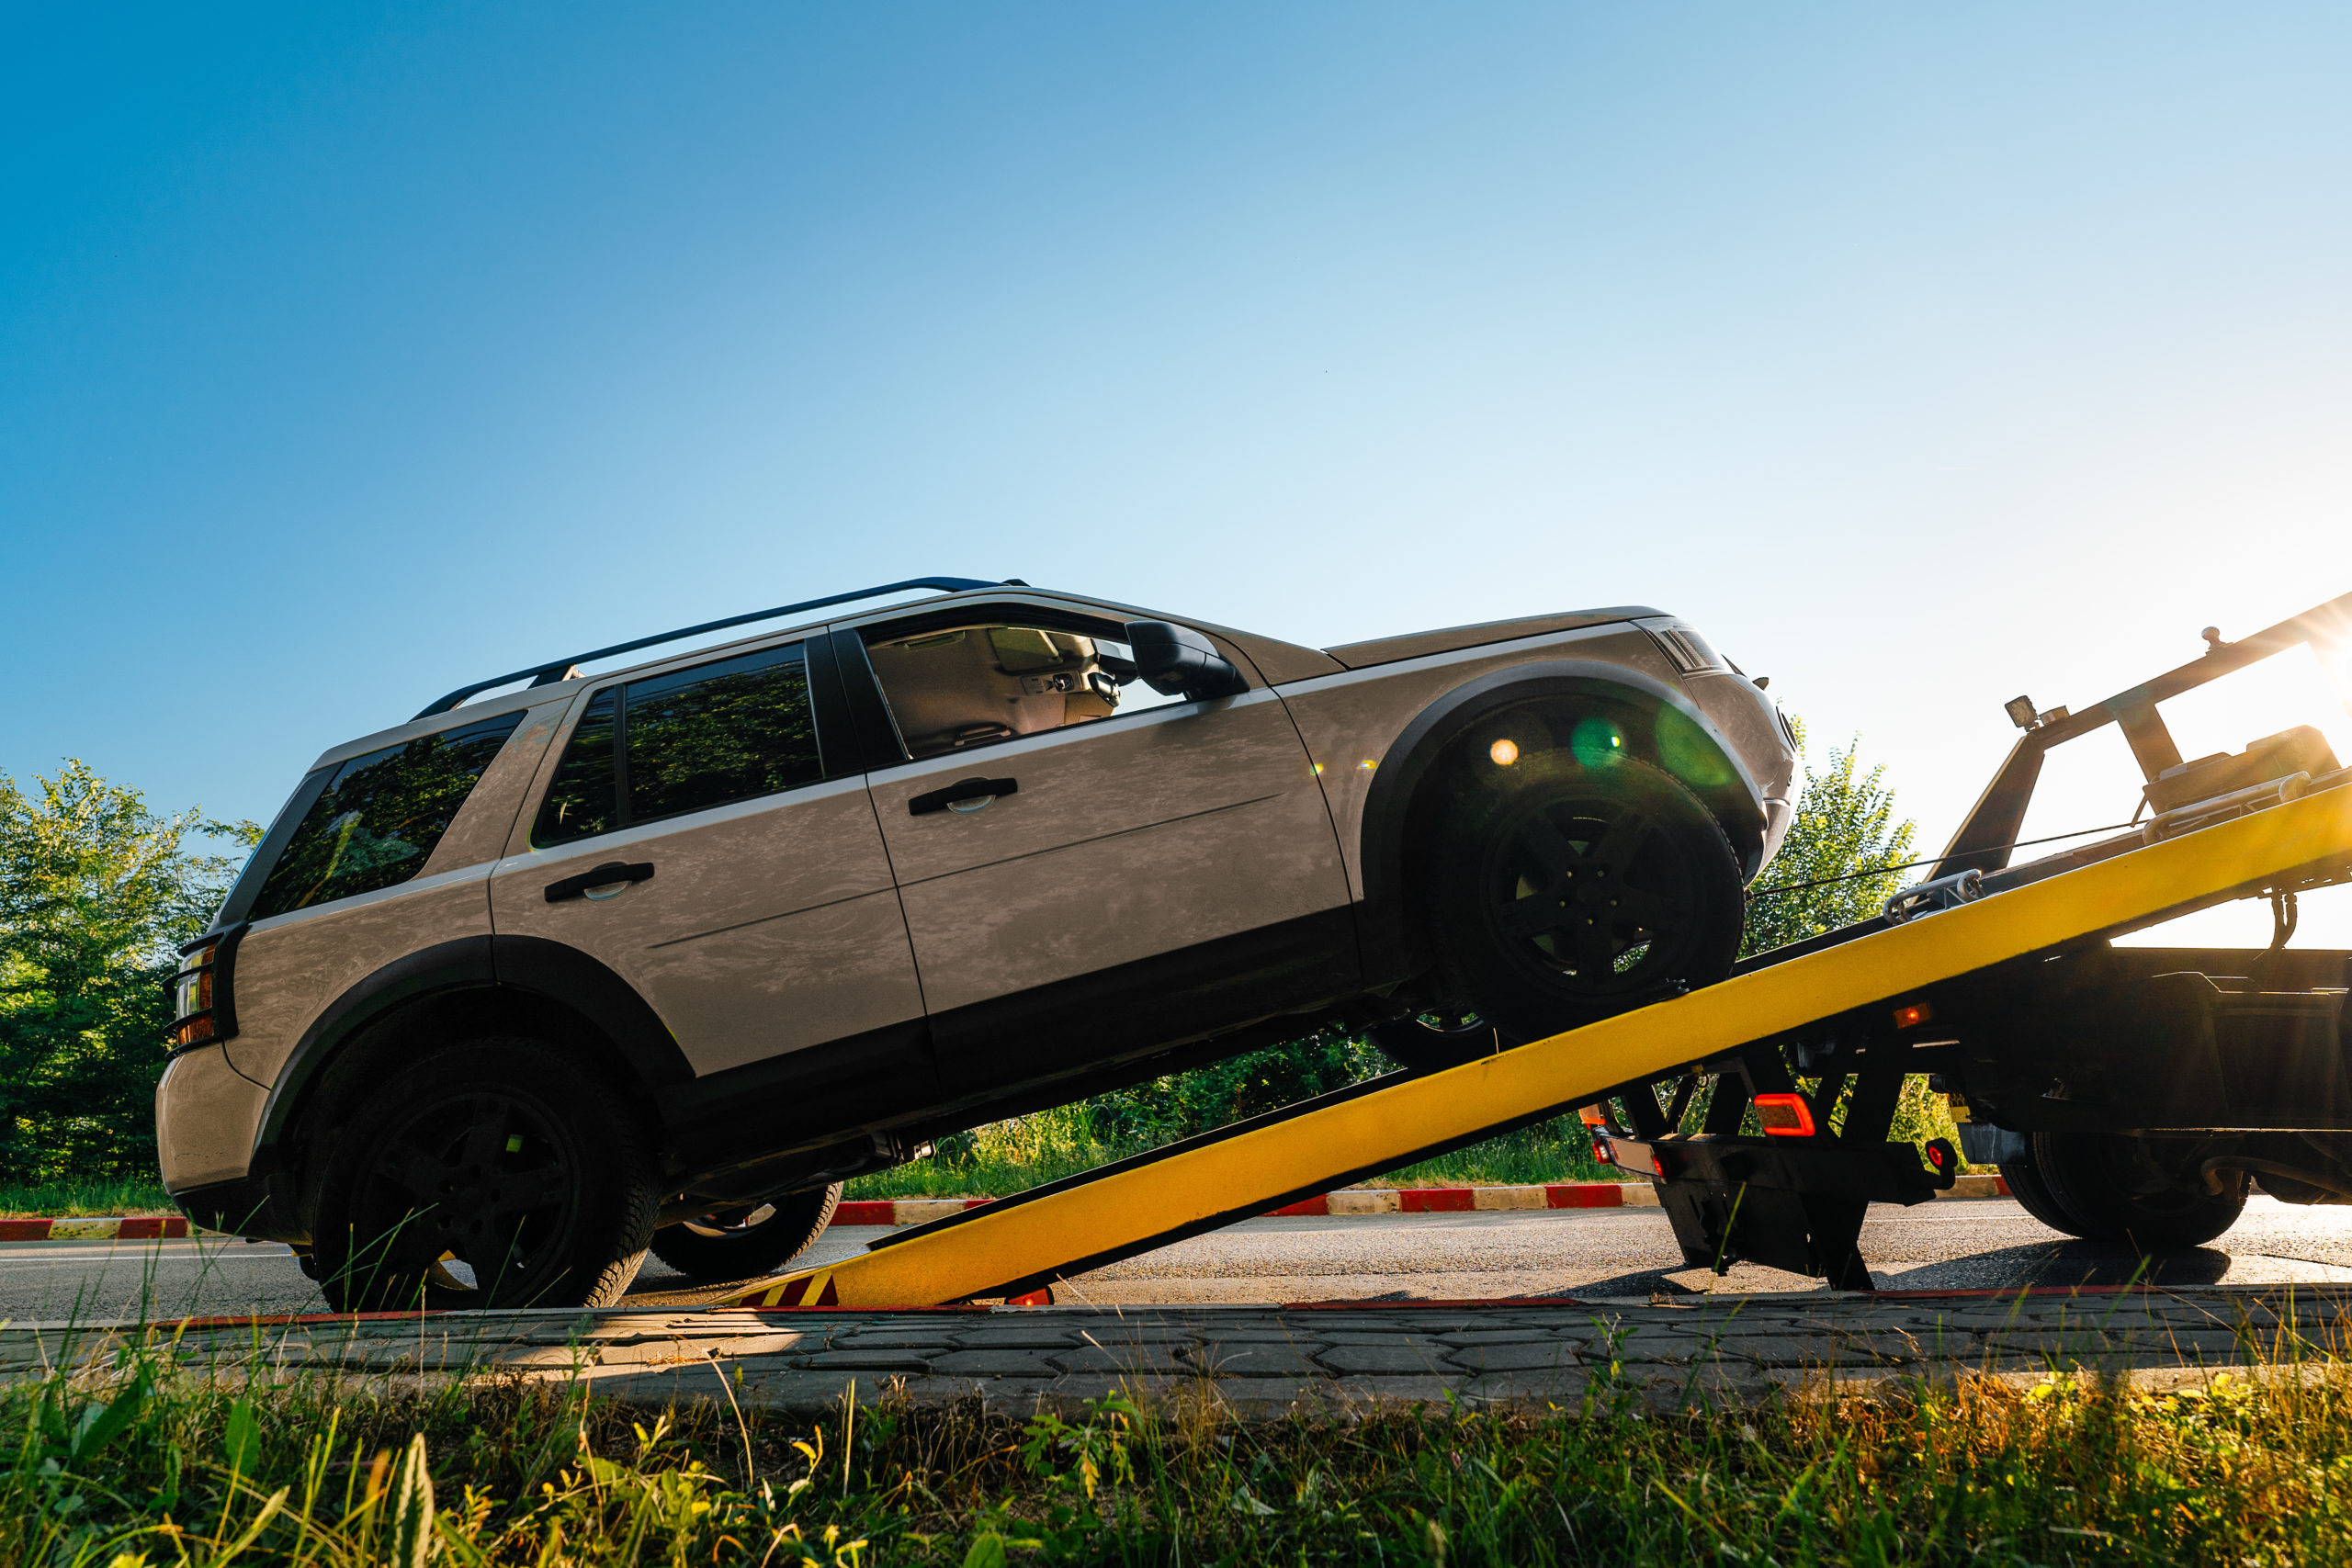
x=491, y=1174
x=1561, y=892
x=735, y=1244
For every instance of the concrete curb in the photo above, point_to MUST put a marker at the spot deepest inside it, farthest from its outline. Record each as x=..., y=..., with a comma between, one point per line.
x=1347, y=1200
x=112, y=1227
x=1468, y=1200
x=1353, y=1200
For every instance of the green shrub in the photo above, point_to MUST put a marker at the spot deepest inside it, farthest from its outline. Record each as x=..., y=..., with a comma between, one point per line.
x=97, y=892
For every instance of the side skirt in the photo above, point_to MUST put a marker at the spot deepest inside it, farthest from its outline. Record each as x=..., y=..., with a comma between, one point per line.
x=891, y=1088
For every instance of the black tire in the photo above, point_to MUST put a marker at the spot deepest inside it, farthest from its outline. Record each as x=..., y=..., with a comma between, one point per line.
x=491, y=1174
x=1432, y=1041
x=738, y=1244
x=1559, y=893
x=2034, y=1196
x=2146, y=1192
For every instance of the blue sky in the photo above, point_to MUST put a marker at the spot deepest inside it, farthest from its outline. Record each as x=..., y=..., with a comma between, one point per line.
x=1923, y=355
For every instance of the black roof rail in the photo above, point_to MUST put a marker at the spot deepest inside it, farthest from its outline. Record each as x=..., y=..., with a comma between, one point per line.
x=548, y=674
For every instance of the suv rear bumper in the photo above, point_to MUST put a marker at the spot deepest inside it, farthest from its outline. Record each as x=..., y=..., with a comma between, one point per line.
x=244, y=1207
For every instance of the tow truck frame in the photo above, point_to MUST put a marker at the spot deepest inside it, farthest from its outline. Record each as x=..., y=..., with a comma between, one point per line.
x=1998, y=979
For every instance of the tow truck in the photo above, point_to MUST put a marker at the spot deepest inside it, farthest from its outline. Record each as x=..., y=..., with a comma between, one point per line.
x=2125, y=1093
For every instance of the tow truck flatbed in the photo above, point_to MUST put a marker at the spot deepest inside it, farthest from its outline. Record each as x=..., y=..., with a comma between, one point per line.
x=1024, y=1242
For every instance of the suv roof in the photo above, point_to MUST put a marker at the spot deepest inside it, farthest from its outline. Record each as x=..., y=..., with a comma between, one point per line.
x=559, y=670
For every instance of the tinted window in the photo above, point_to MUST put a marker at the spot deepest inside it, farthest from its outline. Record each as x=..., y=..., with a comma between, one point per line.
x=380, y=816
x=684, y=741
x=581, y=802
x=701, y=738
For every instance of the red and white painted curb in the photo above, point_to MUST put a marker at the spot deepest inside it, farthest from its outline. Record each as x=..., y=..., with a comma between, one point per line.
x=1353, y=1200
x=112, y=1227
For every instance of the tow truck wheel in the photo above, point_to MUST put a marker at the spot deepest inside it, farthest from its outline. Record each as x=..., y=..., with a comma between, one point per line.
x=735, y=1244
x=2026, y=1186
x=1561, y=892
x=491, y=1174
x=2148, y=1192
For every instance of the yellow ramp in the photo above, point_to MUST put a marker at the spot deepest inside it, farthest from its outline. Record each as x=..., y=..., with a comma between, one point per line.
x=1127, y=1211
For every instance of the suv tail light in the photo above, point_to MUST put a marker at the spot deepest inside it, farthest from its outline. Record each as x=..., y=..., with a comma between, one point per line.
x=201, y=1013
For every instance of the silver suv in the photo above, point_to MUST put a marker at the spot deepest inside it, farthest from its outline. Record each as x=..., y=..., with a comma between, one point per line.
x=659, y=958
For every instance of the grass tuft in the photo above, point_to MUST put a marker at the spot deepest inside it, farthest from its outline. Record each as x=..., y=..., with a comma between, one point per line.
x=1009, y=1156
x=134, y=1465
x=96, y=1195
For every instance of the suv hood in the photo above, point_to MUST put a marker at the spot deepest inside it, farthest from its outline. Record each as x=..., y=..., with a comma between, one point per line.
x=1388, y=649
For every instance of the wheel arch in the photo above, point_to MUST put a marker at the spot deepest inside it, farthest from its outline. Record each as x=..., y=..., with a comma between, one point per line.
x=1659, y=724
x=506, y=983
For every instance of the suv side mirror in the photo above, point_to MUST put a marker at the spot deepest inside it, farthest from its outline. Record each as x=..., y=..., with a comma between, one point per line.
x=1177, y=661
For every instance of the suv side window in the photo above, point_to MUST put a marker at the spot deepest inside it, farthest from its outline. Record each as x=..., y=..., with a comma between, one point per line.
x=961, y=686
x=380, y=816
x=684, y=741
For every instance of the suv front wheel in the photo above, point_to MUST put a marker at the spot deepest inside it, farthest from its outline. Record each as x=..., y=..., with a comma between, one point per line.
x=1560, y=893
x=491, y=1174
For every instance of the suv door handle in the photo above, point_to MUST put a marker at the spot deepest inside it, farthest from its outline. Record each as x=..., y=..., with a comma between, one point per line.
x=611, y=871
x=962, y=790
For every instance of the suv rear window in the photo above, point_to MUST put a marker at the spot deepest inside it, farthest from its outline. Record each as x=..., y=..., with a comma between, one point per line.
x=377, y=820
x=684, y=741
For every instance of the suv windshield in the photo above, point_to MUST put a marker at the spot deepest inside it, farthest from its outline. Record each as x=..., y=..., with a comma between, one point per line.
x=380, y=814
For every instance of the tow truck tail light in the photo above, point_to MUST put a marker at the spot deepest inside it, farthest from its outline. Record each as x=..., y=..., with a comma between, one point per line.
x=1785, y=1115
x=1596, y=1126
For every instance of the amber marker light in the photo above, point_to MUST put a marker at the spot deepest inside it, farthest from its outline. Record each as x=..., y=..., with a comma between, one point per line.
x=1915, y=1015
x=1785, y=1115
x=1504, y=751
x=1596, y=1127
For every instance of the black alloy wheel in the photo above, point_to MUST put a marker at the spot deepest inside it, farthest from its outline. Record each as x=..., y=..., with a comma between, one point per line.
x=1443, y=1037
x=735, y=1244
x=1563, y=893
x=493, y=1174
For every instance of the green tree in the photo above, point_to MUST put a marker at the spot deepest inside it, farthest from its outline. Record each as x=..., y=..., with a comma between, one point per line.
x=97, y=892
x=1845, y=826
x=1838, y=865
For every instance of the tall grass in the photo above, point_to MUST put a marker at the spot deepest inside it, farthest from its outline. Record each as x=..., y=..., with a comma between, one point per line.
x=85, y=1195
x=1008, y=1156
x=132, y=1465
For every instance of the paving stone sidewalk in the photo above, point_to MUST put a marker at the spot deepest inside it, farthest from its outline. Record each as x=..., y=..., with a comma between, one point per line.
x=1269, y=1360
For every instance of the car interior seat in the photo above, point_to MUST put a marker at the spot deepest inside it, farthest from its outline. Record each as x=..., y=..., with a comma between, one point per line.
x=972, y=685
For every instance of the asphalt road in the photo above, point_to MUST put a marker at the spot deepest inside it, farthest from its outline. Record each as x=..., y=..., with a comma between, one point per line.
x=1597, y=1254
